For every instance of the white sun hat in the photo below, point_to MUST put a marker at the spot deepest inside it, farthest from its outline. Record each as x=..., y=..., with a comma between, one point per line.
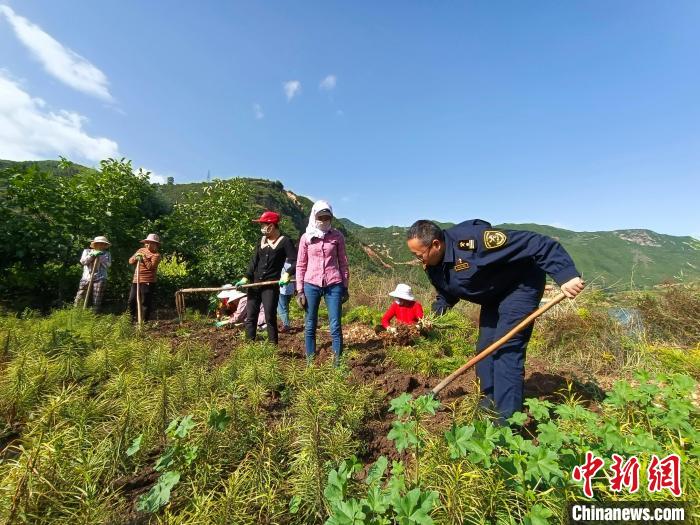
x=230, y=293
x=235, y=294
x=223, y=294
x=403, y=291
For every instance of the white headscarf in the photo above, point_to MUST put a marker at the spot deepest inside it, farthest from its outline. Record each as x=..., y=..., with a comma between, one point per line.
x=312, y=230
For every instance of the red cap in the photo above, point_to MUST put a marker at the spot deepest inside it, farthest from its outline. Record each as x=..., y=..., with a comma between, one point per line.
x=269, y=217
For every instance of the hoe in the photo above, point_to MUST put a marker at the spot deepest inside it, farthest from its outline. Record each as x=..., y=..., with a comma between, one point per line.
x=497, y=344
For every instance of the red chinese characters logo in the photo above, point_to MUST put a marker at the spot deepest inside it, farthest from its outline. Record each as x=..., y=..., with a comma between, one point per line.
x=586, y=472
x=661, y=473
x=624, y=475
x=665, y=474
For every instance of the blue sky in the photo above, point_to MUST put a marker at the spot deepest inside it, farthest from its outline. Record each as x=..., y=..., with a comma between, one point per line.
x=583, y=115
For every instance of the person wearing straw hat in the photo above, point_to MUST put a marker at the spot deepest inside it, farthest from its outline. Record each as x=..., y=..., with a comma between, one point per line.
x=266, y=264
x=95, y=260
x=405, y=307
x=146, y=260
x=234, y=308
x=225, y=304
x=504, y=271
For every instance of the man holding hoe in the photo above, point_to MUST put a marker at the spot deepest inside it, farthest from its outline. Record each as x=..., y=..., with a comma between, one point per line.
x=504, y=271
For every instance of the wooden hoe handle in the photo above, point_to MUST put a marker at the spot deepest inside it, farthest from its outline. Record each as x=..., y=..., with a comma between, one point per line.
x=497, y=344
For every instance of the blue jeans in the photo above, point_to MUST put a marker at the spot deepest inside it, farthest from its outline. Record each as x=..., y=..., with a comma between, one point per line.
x=283, y=309
x=333, y=295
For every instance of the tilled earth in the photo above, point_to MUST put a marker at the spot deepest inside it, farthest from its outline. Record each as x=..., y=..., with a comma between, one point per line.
x=368, y=364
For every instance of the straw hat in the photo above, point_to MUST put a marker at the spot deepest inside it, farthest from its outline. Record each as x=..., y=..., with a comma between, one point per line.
x=101, y=239
x=152, y=237
x=403, y=291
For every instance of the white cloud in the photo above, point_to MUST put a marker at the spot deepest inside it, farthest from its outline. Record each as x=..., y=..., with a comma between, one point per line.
x=328, y=83
x=30, y=131
x=154, y=177
x=257, y=109
x=59, y=61
x=291, y=88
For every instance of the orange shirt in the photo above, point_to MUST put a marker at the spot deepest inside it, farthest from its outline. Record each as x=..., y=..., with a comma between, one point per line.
x=147, y=267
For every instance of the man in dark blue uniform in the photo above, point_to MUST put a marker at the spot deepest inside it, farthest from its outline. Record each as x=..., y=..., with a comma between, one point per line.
x=503, y=271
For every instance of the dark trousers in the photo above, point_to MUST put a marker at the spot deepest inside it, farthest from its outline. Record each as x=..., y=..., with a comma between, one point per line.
x=502, y=374
x=268, y=297
x=147, y=291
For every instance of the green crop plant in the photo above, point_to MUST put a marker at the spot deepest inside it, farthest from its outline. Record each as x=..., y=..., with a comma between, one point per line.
x=85, y=405
x=326, y=411
x=408, y=430
x=363, y=314
x=175, y=461
x=381, y=501
x=446, y=342
x=253, y=371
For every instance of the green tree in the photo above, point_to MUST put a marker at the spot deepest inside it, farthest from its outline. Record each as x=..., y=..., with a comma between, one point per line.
x=48, y=219
x=213, y=230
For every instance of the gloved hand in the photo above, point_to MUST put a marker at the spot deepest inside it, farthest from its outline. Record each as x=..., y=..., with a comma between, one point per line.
x=219, y=324
x=284, y=279
x=138, y=256
x=301, y=301
x=240, y=282
x=391, y=330
x=346, y=296
x=96, y=253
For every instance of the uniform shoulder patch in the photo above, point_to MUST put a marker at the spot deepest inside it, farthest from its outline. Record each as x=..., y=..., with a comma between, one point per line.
x=467, y=244
x=494, y=239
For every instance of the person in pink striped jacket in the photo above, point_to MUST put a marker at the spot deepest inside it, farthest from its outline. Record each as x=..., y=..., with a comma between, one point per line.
x=322, y=271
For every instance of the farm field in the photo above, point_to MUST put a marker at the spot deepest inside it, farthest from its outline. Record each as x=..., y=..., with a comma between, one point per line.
x=184, y=423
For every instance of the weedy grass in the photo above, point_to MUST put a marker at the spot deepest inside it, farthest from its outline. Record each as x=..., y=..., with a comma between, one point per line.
x=672, y=315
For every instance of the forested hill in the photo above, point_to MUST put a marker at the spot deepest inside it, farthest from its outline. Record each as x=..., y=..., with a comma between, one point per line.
x=620, y=259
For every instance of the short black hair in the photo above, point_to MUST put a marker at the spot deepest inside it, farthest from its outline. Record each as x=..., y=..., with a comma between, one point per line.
x=425, y=231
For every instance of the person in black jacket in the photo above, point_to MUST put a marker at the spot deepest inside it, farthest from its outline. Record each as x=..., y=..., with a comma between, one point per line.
x=266, y=265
